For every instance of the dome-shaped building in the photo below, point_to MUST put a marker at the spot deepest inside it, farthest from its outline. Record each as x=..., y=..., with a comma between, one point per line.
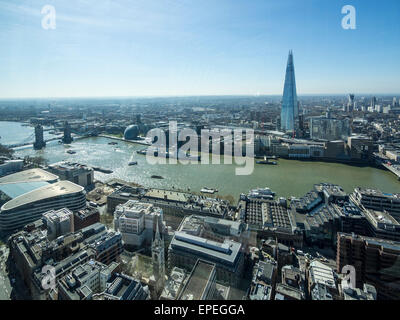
x=131, y=132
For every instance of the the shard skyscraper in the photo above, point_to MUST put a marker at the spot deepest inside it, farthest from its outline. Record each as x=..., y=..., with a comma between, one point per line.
x=290, y=108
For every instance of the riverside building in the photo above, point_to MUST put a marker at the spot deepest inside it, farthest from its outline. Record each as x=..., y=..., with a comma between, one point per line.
x=74, y=172
x=26, y=195
x=377, y=200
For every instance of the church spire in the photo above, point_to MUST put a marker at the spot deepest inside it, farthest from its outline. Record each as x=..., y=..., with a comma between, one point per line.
x=157, y=236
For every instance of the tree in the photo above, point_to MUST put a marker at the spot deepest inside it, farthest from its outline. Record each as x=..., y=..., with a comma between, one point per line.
x=36, y=161
x=5, y=151
x=229, y=198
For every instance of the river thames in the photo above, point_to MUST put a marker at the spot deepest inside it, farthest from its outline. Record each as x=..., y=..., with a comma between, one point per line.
x=288, y=178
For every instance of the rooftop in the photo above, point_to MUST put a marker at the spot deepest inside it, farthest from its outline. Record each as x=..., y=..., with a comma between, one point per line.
x=13, y=190
x=265, y=271
x=330, y=189
x=385, y=244
x=69, y=166
x=31, y=175
x=186, y=201
x=260, y=292
x=48, y=191
x=267, y=214
x=381, y=218
x=322, y=274
x=376, y=193
x=136, y=208
x=198, y=281
x=321, y=292
x=174, y=283
x=58, y=215
x=308, y=201
x=283, y=290
x=226, y=251
x=123, y=287
x=167, y=195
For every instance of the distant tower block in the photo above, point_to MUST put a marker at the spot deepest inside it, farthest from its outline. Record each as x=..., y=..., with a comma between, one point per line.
x=290, y=107
x=67, y=133
x=39, y=141
x=350, y=103
x=373, y=103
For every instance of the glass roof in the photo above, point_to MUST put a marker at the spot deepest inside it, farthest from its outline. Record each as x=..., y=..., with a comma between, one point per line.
x=14, y=190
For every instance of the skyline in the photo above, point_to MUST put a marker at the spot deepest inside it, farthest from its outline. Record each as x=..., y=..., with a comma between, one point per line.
x=183, y=48
x=199, y=96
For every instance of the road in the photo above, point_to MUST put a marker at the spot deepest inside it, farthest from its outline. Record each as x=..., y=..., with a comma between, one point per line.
x=5, y=285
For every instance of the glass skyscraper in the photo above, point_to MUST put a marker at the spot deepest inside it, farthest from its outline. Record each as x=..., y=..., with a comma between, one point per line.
x=290, y=108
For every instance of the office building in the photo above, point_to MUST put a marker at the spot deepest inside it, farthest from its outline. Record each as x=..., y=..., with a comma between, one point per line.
x=263, y=282
x=174, y=285
x=380, y=225
x=360, y=148
x=200, y=284
x=174, y=204
x=322, y=128
x=376, y=262
x=285, y=292
x=304, y=151
x=26, y=195
x=194, y=240
x=293, y=277
x=290, y=109
x=350, y=103
x=85, y=280
x=123, y=287
x=270, y=219
x=326, y=210
x=61, y=268
x=367, y=293
x=282, y=254
x=86, y=217
x=30, y=175
x=260, y=291
x=321, y=282
x=106, y=244
x=137, y=222
x=10, y=166
x=377, y=200
x=31, y=250
x=59, y=222
x=373, y=104
x=77, y=173
x=266, y=272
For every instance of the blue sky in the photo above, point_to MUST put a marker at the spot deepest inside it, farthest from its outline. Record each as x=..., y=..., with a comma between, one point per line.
x=196, y=47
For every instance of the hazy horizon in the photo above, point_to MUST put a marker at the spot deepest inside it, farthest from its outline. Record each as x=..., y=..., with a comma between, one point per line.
x=344, y=94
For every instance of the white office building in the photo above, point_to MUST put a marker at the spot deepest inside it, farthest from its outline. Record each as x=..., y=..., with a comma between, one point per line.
x=136, y=222
x=59, y=222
